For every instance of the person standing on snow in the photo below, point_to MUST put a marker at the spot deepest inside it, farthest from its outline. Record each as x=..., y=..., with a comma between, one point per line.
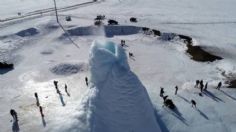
x=66, y=88
x=14, y=114
x=197, y=83
x=219, y=85
x=194, y=104
x=201, y=82
x=37, y=98
x=176, y=89
x=86, y=81
x=56, y=86
x=162, y=92
x=201, y=87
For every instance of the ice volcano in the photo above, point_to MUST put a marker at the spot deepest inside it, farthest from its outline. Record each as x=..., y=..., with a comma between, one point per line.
x=117, y=100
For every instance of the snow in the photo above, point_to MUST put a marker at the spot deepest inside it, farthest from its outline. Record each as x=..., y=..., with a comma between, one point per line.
x=156, y=63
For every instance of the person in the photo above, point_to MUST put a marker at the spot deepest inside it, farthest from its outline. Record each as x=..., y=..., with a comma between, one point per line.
x=37, y=99
x=201, y=82
x=176, y=89
x=41, y=111
x=122, y=43
x=36, y=95
x=66, y=88
x=14, y=114
x=193, y=103
x=55, y=84
x=201, y=87
x=197, y=83
x=219, y=85
x=162, y=92
x=131, y=54
x=86, y=80
x=205, y=88
x=165, y=97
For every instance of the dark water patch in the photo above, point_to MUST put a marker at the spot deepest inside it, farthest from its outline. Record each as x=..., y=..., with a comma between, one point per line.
x=28, y=32
x=232, y=84
x=109, y=31
x=198, y=54
x=5, y=67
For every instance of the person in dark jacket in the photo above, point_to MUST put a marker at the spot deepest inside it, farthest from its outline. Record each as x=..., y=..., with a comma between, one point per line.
x=219, y=85
x=14, y=114
x=56, y=86
x=86, y=81
x=37, y=98
x=162, y=92
x=197, y=83
x=66, y=88
x=201, y=87
x=201, y=82
x=165, y=97
x=176, y=90
x=194, y=104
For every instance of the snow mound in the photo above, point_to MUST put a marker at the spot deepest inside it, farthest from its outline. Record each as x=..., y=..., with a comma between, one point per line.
x=68, y=68
x=28, y=32
x=110, y=31
x=117, y=101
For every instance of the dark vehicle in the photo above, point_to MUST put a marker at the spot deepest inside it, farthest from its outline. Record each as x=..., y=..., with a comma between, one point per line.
x=133, y=19
x=98, y=23
x=145, y=29
x=68, y=18
x=100, y=17
x=112, y=22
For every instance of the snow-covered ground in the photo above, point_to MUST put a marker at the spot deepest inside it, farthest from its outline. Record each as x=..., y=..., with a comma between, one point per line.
x=41, y=54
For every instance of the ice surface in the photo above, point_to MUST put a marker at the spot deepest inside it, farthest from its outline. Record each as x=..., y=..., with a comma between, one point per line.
x=121, y=102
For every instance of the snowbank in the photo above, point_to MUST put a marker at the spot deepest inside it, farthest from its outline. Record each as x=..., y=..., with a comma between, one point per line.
x=117, y=101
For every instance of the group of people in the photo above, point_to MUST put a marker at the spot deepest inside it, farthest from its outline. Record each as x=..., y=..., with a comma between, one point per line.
x=199, y=84
x=166, y=100
x=122, y=43
x=14, y=113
